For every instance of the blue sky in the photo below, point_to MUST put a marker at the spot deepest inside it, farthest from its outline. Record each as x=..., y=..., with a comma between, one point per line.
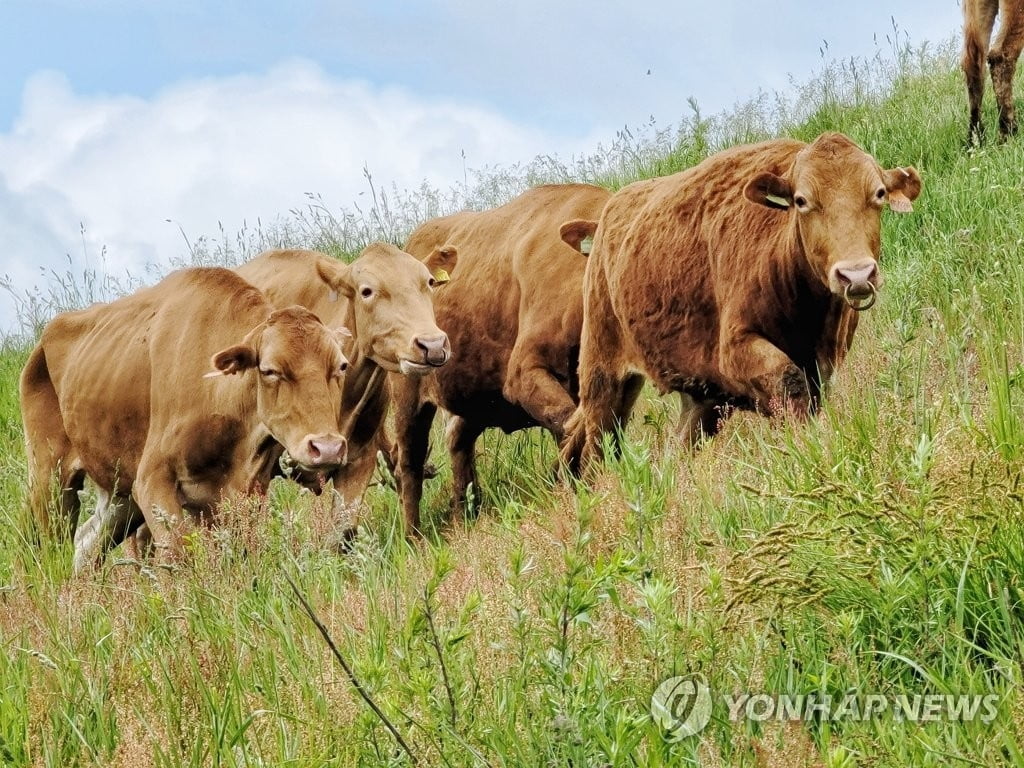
x=116, y=115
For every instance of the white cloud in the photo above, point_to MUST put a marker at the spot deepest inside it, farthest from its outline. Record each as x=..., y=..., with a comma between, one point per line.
x=221, y=150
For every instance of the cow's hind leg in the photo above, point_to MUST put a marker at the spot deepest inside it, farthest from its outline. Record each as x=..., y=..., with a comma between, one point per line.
x=979, y=18
x=606, y=401
x=462, y=436
x=698, y=420
x=607, y=389
x=53, y=466
x=115, y=519
x=1002, y=60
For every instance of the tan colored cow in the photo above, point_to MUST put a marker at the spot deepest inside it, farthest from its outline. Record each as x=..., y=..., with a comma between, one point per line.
x=1002, y=55
x=513, y=312
x=179, y=395
x=735, y=282
x=386, y=298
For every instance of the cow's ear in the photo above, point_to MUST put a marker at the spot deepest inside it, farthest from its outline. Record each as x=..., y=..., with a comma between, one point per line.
x=236, y=359
x=579, y=234
x=903, y=185
x=441, y=263
x=336, y=275
x=770, y=190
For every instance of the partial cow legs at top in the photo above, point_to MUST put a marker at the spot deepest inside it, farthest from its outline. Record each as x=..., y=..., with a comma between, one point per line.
x=979, y=18
x=1002, y=61
x=1001, y=57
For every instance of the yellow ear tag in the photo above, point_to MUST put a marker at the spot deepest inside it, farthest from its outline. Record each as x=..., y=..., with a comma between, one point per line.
x=586, y=244
x=779, y=201
x=441, y=277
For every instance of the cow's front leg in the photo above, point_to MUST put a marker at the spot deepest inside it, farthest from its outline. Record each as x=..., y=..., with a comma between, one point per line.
x=533, y=387
x=350, y=484
x=157, y=496
x=765, y=373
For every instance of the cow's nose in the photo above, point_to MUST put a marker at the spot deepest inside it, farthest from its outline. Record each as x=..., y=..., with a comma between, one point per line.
x=434, y=348
x=326, y=450
x=857, y=279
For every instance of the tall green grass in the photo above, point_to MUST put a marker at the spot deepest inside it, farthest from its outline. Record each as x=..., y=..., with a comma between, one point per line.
x=878, y=548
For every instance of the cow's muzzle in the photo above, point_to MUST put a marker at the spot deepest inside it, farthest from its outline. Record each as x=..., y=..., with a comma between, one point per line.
x=321, y=452
x=856, y=282
x=431, y=352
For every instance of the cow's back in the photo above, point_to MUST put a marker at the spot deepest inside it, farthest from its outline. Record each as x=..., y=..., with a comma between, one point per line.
x=290, y=276
x=511, y=259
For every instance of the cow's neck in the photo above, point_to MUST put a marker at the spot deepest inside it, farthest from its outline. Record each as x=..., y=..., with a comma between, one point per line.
x=263, y=461
x=806, y=310
x=364, y=390
x=256, y=456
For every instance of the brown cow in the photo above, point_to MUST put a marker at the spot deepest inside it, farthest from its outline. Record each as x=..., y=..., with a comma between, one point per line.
x=385, y=297
x=979, y=19
x=733, y=283
x=123, y=394
x=514, y=313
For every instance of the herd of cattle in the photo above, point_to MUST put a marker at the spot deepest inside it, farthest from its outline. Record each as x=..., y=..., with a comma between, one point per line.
x=736, y=283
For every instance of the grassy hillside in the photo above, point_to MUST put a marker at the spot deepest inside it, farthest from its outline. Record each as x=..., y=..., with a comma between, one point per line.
x=877, y=549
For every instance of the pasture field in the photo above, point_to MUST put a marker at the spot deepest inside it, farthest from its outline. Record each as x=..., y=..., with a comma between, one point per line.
x=877, y=549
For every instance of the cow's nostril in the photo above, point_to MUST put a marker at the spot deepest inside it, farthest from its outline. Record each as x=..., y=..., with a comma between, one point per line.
x=433, y=348
x=326, y=450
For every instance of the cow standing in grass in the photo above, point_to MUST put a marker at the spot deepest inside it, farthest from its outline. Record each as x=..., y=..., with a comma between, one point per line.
x=979, y=19
x=514, y=312
x=735, y=283
x=386, y=298
x=177, y=396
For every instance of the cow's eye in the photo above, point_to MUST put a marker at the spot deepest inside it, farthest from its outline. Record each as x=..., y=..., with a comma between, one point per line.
x=431, y=282
x=270, y=373
x=801, y=201
x=366, y=291
x=880, y=194
x=343, y=367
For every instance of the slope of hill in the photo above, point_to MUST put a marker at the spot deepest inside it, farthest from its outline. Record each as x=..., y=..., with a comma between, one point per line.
x=877, y=550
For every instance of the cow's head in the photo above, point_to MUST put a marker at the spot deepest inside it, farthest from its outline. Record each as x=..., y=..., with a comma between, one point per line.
x=299, y=369
x=392, y=309
x=835, y=193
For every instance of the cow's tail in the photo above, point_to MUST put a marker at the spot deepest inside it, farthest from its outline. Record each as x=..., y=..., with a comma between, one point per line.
x=574, y=444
